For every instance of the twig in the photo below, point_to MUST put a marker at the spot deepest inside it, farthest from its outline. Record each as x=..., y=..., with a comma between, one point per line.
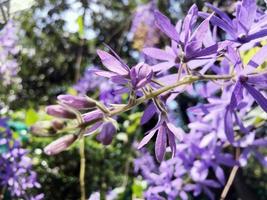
x=229, y=182
x=82, y=168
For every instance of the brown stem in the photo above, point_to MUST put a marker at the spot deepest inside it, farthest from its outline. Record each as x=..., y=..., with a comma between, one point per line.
x=229, y=183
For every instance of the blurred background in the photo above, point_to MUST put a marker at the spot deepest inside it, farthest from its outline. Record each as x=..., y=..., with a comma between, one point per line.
x=53, y=51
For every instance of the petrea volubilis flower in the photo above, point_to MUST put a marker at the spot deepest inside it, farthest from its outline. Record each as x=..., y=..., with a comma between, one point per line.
x=135, y=78
x=166, y=134
x=245, y=27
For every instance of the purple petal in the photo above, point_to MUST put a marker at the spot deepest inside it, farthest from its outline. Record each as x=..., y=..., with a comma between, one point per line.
x=257, y=79
x=163, y=66
x=146, y=139
x=205, y=51
x=207, y=139
x=237, y=95
x=149, y=112
x=161, y=143
x=106, y=134
x=172, y=144
x=216, y=21
x=259, y=98
x=259, y=57
x=220, y=13
x=259, y=34
x=158, y=54
x=105, y=73
x=200, y=33
x=111, y=63
x=247, y=13
x=189, y=22
x=178, y=132
x=164, y=24
x=219, y=174
x=228, y=125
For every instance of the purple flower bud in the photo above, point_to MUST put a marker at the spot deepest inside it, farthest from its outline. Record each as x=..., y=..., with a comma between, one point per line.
x=141, y=74
x=106, y=134
x=59, y=111
x=77, y=102
x=92, y=116
x=60, y=144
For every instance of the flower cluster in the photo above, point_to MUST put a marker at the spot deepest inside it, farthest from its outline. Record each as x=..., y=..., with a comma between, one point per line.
x=222, y=129
x=8, y=48
x=16, y=174
x=145, y=32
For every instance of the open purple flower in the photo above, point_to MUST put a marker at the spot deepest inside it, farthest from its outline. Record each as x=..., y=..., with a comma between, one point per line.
x=166, y=134
x=246, y=25
x=188, y=41
x=119, y=73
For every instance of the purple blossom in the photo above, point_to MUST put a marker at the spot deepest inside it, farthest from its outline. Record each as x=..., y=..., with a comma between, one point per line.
x=8, y=48
x=144, y=31
x=16, y=174
x=247, y=24
x=166, y=134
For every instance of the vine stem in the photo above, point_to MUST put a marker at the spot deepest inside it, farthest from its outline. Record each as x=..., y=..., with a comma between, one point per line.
x=229, y=182
x=82, y=167
x=184, y=81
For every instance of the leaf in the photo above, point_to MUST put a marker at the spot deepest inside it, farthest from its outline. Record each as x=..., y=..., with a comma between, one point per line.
x=31, y=117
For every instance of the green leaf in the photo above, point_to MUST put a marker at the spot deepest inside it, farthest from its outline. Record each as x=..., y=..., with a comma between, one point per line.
x=31, y=117
x=80, y=25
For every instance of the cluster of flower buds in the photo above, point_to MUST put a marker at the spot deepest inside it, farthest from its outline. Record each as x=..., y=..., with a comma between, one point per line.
x=92, y=116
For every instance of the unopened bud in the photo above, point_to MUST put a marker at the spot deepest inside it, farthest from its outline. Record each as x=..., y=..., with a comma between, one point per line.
x=106, y=134
x=58, y=125
x=140, y=75
x=76, y=102
x=43, y=128
x=60, y=111
x=60, y=144
x=92, y=116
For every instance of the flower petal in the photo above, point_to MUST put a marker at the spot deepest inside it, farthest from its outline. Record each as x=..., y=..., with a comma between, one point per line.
x=164, y=24
x=161, y=143
x=259, y=98
x=158, y=54
x=111, y=63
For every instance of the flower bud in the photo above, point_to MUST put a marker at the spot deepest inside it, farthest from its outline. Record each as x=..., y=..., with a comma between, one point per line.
x=60, y=144
x=58, y=125
x=59, y=111
x=106, y=134
x=92, y=116
x=77, y=102
x=141, y=74
x=43, y=128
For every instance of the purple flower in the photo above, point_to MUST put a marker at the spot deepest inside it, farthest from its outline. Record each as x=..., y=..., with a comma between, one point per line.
x=119, y=73
x=166, y=133
x=145, y=33
x=16, y=174
x=8, y=48
x=188, y=42
x=246, y=25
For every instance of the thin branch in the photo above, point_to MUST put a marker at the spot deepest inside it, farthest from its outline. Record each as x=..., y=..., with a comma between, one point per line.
x=82, y=168
x=229, y=183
